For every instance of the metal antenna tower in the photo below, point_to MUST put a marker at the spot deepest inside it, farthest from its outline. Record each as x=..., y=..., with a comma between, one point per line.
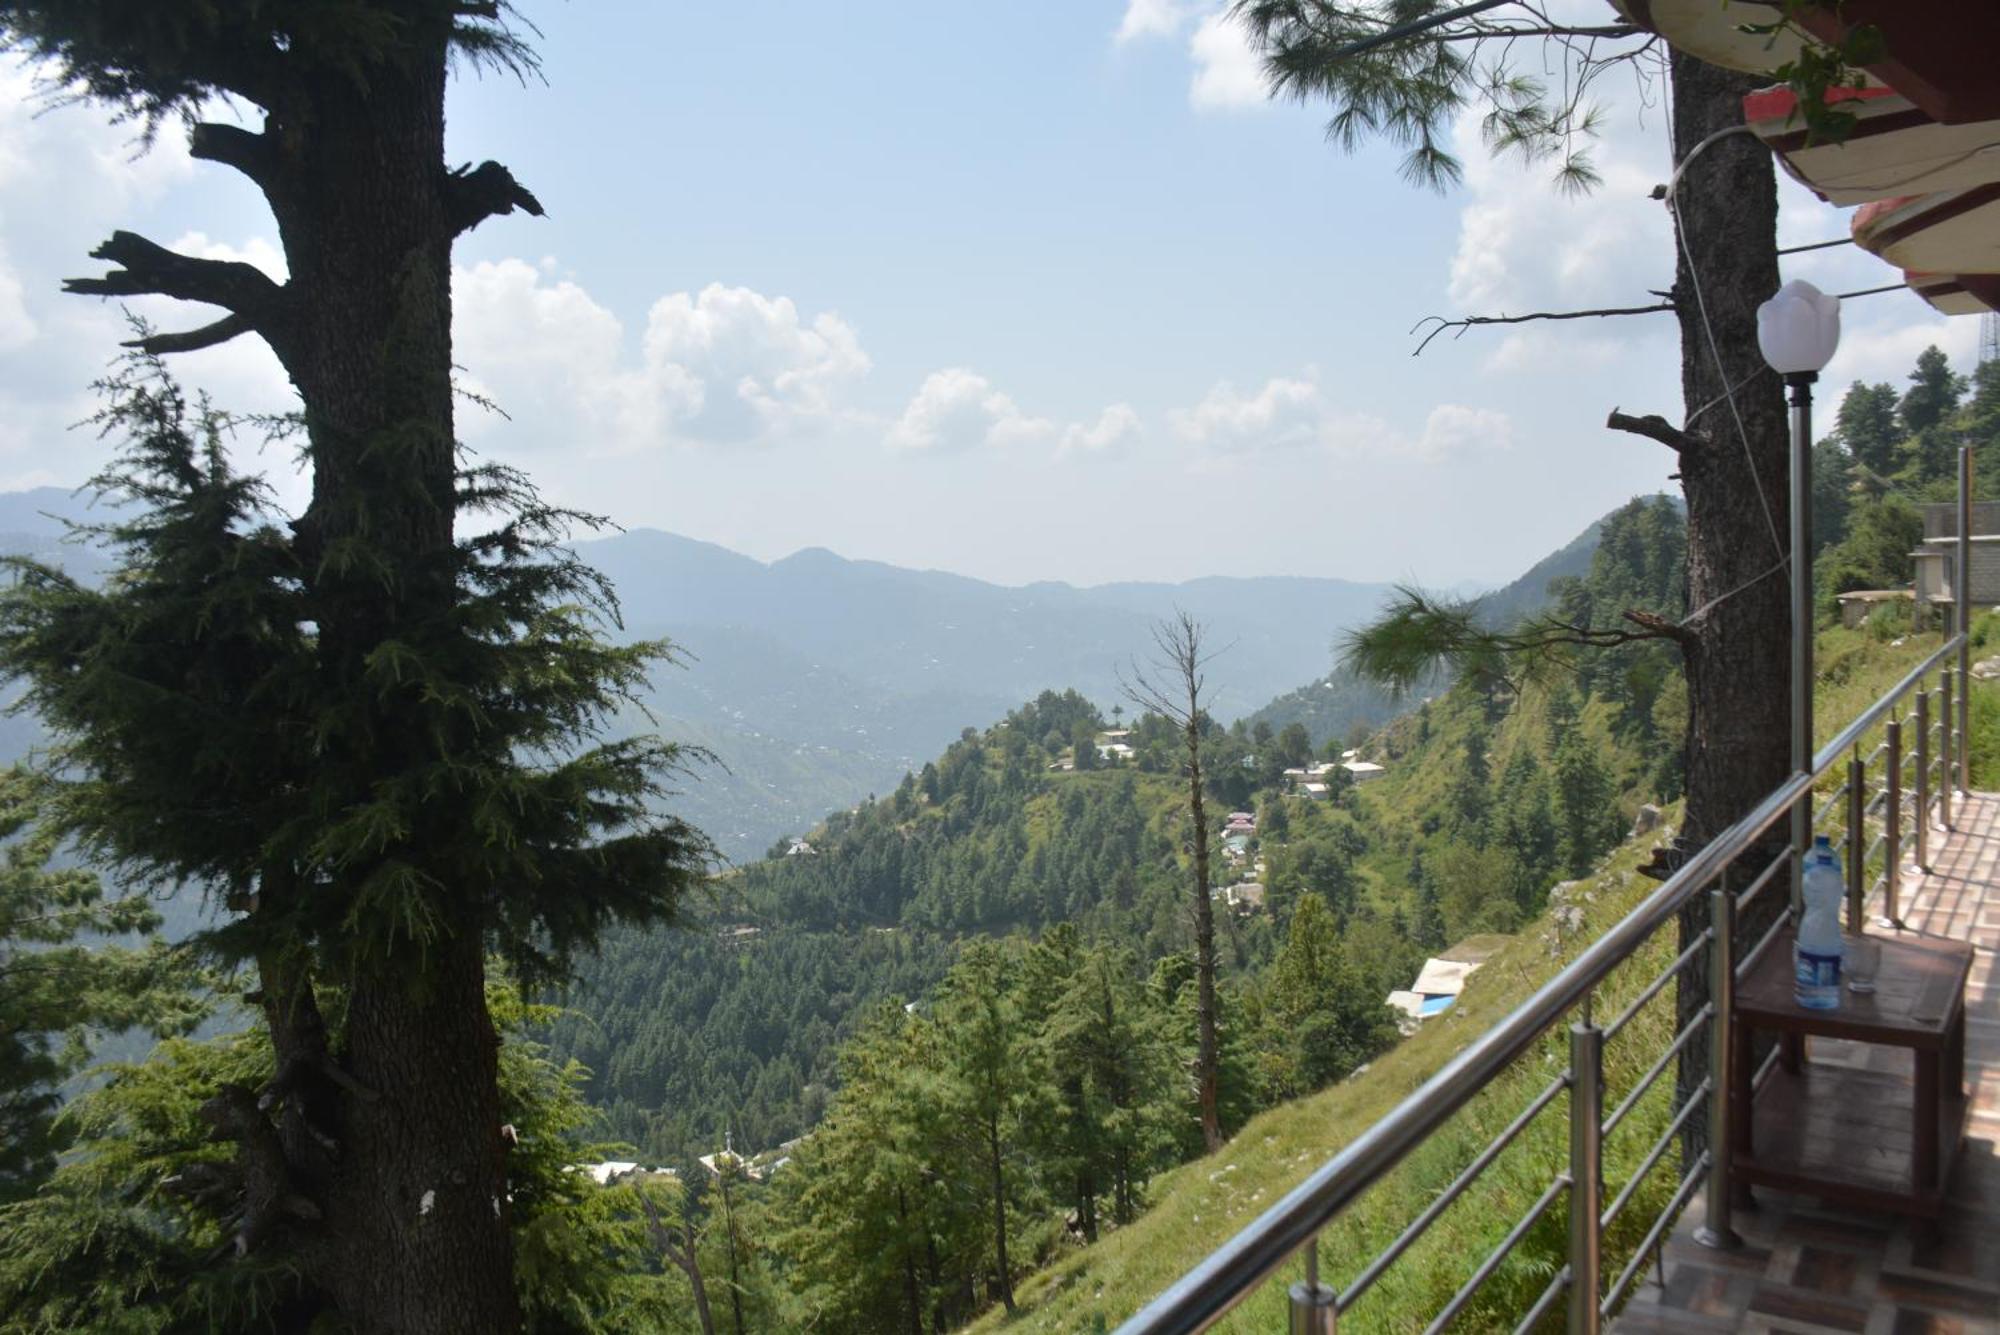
x=1989, y=337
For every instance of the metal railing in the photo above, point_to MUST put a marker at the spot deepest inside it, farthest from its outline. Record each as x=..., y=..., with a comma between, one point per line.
x=1913, y=784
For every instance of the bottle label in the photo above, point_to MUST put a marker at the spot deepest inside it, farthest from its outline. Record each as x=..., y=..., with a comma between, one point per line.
x=1817, y=970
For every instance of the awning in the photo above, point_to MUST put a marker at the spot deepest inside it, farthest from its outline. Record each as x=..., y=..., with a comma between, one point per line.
x=1714, y=31
x=1957, y=293
x=1894, y=149
x=1952, y=232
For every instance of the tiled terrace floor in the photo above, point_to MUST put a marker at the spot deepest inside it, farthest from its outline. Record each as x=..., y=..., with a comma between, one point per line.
x=1805, y=1267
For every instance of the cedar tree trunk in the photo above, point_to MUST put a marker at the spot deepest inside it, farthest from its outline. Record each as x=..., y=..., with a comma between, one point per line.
x=1739, y=656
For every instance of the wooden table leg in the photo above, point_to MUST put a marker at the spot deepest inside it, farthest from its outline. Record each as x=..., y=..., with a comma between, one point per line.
x=1925, y=1168
x=1793, y=1049
x=1954, y=1057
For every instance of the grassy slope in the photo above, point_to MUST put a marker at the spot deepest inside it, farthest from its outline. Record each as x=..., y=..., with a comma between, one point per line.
x=1198, y=1206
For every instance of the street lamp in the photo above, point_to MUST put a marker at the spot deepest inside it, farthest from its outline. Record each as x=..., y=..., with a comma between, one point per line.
x=1797, y=330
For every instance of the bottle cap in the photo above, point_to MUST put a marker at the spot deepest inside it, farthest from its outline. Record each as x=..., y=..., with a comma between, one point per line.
x=1822, y=841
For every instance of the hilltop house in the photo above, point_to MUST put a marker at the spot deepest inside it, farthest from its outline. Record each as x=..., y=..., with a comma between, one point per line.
x=1937, y=580
x=1245, y=896
x=1438, y=983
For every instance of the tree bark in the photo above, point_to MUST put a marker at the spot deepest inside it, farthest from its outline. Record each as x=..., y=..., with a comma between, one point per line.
x=415, y=1237
x=1207, y=1055
x=1738, y=663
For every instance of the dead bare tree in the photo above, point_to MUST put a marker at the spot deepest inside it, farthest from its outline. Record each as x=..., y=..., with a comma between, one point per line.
x=1172, y=686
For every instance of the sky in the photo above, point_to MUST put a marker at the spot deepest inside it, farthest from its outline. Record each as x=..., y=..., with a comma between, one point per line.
x=1048, y=289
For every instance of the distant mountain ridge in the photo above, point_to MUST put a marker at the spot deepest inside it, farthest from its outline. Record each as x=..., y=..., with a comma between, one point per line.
x=816, y=679
x=1334, y=704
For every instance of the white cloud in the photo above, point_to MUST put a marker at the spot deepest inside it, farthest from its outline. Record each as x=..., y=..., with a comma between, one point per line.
x=1285, y=413
x=1453, y=428
x=1886, y=348
x=761, y=367
x=17, y=327
x=726, y=365
x=1155, y=18
x=1524, y=245
x=258, y=252
x=1294, y=413
x=956, y=410
x=1114, y=428
x=1228, y=72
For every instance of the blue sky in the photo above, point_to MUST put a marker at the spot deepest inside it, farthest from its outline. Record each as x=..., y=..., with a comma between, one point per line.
x=1034, y=290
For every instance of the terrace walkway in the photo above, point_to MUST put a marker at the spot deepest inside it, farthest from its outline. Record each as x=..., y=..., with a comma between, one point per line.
x=1805, y=1267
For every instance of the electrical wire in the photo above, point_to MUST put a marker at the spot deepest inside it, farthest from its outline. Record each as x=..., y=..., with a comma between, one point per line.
x=1715, y=352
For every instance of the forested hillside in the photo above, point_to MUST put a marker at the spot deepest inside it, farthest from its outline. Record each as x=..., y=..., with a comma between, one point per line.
x=976, y=994
x=1342, y=705
x=774, y=1014
x=1891, y=451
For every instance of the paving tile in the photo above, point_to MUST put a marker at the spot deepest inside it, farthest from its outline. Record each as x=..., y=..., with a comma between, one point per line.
x=1807, y=1268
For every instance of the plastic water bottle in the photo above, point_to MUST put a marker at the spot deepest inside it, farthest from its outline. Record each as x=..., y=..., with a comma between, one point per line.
x=1816, y=957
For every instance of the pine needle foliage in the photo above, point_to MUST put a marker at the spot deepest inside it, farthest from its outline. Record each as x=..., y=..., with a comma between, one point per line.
x=159, y=60
x=125, y=1237
x=61, y=980
x=1404, y=70
x=203, y=738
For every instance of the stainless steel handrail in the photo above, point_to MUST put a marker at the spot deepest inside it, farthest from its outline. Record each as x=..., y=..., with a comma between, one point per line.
x=1872, y=715
x=1227, y=1275
x=1213, y=1286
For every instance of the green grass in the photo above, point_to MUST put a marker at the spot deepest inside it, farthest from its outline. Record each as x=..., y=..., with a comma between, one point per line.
x=1198, y=1206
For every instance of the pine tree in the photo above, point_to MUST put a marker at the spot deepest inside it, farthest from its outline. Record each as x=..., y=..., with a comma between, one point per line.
x=370, y=734
x=1324, y=1019
x=986, y=1069
x=56, y=988
x=1933, y=393
x=1586, y=820
x=1866, y=425
x=127, y=1236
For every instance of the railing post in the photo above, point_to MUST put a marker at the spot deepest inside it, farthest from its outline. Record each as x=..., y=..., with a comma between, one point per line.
x=1963, y=604
x=1857, y=839
x=1314, y=1305
x=1922, y=832
x=1892, y=826
x=1716, y=1230
x=1947, y=778
x=1586, y=1174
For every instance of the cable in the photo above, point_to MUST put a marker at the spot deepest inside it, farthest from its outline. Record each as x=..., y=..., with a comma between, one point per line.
x=1722, y=371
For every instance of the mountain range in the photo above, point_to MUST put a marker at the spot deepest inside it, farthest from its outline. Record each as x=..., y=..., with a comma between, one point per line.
x=815, y=680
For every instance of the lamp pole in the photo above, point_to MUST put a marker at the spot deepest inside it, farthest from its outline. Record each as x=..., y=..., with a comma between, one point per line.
x=1799, y=384
x=1797, y=330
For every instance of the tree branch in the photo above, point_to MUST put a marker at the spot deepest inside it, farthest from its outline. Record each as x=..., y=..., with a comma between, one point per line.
x=472, y=195
x=159, y=345
x=149, y=269
x=1652, y=427
x=1466, y=322
x=251, y=153
x=1418, y=633
x=268, y=1194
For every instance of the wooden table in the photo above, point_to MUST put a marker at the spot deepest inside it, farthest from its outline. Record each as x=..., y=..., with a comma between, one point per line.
x=1860, y=1136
